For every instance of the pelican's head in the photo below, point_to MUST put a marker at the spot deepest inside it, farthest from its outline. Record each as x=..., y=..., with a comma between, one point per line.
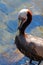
x=24, y=17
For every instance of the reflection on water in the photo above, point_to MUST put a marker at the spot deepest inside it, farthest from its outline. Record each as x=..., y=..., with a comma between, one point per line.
x=9, y=54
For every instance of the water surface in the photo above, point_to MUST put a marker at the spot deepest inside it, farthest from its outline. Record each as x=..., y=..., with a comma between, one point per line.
x=9, y=54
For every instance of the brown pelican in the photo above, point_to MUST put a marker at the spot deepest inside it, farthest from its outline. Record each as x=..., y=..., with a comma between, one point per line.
x=29, y=45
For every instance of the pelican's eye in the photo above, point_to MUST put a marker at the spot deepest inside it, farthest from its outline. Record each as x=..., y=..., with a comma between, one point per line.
x=21, y=19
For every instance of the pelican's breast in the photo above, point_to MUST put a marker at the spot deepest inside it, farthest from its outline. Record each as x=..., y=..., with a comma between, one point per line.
x=36, y=43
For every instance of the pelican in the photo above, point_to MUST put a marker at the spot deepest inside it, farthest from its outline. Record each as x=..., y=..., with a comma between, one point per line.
x=30, y=46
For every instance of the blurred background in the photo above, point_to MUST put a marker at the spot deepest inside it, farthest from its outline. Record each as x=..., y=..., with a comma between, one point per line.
x=9, y=54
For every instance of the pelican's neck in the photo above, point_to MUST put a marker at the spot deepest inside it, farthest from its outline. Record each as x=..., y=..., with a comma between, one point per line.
x=24, y=26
